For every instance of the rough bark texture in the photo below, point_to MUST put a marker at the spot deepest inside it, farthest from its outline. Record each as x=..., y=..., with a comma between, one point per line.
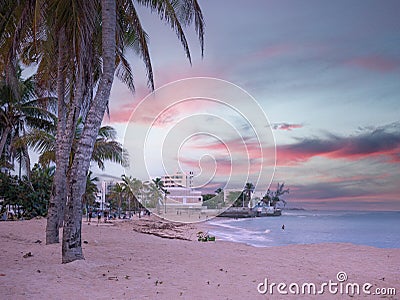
x=52, y=226
x=72, y=242
x=4, y=135
x=65, y=130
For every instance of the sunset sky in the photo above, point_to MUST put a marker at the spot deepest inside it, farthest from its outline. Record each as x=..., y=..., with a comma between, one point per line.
x=325, y=73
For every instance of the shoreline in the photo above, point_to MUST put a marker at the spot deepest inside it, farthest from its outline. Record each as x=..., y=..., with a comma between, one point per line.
x=122, y=263
x=312, y=228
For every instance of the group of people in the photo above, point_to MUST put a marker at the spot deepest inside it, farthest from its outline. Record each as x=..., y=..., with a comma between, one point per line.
x=106, y=215
x=91, y=215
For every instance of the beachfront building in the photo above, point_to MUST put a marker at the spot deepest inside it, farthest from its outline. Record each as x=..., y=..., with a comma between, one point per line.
x=179, y=179
x=180, y=190
x=184, y=195
x=102, y=195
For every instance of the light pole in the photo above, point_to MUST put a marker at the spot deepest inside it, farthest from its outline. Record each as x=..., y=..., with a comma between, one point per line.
x=165, y=201
x=129, y=206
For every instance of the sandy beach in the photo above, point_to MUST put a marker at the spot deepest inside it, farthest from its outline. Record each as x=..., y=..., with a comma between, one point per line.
x=121, y=262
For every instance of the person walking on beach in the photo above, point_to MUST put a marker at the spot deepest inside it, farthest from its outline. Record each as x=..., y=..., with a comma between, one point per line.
x=90, y=216
x=283, y=227
x=105, y=217
x=98, y=218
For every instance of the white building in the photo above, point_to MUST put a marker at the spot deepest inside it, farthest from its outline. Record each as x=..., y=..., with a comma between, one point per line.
x=180, y=191
x=184, y=195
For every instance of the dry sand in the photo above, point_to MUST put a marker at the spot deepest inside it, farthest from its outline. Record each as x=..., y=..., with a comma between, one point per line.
x=122, y=263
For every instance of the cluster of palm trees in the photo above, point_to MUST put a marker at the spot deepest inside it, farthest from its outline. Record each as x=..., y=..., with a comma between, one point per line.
x=20, y=115
x=23, y=197
x=133, y=194
x=30, y=123
x=271, y=198
x=76, y=48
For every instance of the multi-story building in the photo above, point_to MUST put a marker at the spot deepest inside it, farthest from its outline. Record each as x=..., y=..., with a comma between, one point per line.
x=180, y=190
x=175, y=180
x=184, y=195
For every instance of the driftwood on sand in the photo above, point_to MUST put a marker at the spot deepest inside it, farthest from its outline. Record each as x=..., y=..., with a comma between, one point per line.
x=165, y=229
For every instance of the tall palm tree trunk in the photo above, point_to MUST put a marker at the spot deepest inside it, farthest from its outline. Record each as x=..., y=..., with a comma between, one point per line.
x=72, y=243
x=4, y=135
x=63, y=147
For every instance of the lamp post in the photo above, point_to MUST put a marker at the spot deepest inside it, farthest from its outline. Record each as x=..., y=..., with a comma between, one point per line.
x=129, y=206
x=165, y=201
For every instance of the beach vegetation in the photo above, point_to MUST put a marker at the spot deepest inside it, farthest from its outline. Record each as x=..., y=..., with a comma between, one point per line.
x=212, y=201
x=20, y=113
x=132, y=188
x=153, y=194
x=244, y=198
x=89, y=197
x=115, y=197
x=77, y=49
x=106, y=146
x=26, y=197
x=272, y=198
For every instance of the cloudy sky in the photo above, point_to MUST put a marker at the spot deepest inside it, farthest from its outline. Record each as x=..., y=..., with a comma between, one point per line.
x=326, y=74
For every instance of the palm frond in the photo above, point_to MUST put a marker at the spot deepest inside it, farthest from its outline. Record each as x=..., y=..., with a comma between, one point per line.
x=139, y=37
x=111, y=151
x=124, y=71
x=166, y=11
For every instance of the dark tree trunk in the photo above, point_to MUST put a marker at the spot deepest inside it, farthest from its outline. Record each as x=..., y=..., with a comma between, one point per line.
x=72, y=241
x=4, y=135
x=67, y=120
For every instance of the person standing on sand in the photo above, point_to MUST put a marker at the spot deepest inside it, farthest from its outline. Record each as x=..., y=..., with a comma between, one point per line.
x=98, y=218
x=283, y=227
x=90, y=216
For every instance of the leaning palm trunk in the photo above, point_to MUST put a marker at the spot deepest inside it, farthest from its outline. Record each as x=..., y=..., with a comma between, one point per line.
x=72, y=242
x=63, y=147
x=4, y=135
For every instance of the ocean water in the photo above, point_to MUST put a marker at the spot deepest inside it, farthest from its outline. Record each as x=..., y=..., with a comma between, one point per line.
x=378, y=229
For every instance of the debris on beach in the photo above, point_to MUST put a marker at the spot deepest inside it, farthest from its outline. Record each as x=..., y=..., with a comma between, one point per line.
x=28, y=254
x=205, y=237
x=164, y=229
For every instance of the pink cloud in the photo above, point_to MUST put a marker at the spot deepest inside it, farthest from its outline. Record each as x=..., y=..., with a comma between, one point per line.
x=285, y=126
x=375, y=63
x=381, y=142
x=245, y=146
x=274, y=50
x=123, y=102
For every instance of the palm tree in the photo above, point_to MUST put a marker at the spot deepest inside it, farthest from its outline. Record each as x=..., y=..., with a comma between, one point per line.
x=158, y=183
x=131, y=188
x=247, y=191
x=82, y=43
x=153, y=193
x=17, y=115
x=116, y=194
x=272, y=198
x=89, y=197
x=106, y=148
x=160, y=186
